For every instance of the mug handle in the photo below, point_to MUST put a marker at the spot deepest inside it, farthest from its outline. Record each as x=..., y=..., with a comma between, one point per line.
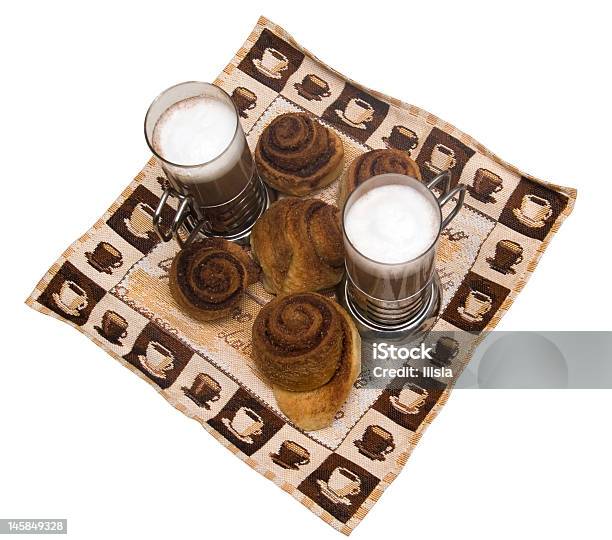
x=389, y=448
x=252, y=106
x=216, y=397
x=305, y=461
x=124, y=334
x=519, y=260
x=498, y=188
x=117, y=264
x=167, y=234
x=442, y=177
x=447, y=195
x=327, y=93
x=548, y=213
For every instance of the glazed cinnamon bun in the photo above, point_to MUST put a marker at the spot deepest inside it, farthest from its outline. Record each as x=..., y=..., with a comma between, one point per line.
x=296, y=154
x=209, y=277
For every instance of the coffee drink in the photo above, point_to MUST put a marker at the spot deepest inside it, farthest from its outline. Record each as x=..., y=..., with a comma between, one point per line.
x=507, y=254
x=445, y=351
x=402, y=138
x=204, y=390
x=291, y=455
x=105, y=257
x=477, y=305
x=244, y=99
x=194, y=131
x=71, y=298
x=198, y=135
x=391, y=224
x=375, y=443
x=113, y=327
x=485, y=184
x=442, y=158
x=313, y=87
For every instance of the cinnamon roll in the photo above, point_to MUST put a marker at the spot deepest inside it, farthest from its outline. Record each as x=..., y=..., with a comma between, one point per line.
x=298, y=244
x=309, y=350
x=373, y=163
x=296, y=154
x=209, y=277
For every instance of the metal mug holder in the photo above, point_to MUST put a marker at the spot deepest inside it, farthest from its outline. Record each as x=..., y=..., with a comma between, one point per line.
x=407, y=318
x=232, y=220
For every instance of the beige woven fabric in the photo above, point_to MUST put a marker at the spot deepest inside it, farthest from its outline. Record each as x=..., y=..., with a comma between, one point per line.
x=112, y=285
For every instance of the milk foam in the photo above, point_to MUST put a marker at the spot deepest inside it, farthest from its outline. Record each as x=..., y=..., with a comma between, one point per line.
x=392, y=224
x=195, y=130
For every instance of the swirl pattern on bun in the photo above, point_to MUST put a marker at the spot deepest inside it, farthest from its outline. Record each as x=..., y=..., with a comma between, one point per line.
x=373, y=163
x=308, y=348
x=209, y=277
x=298, y=243
x=296, y=154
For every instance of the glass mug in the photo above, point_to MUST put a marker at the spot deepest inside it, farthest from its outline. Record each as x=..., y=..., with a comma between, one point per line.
x=221, y=197
x=390, y=295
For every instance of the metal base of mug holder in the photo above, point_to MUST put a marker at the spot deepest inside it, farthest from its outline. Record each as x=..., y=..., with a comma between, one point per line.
x=397, y=321
x=233, y=220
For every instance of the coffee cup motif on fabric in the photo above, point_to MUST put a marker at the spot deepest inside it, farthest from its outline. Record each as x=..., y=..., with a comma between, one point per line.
x=375, y=443
x=401, y=138
x=244, y=99
x=113, y=327
x=485, y=185
x=445, y=351
x=104, y=258
x=508, y=254
x=290, y=455
x=204, y=390
x=313, y=88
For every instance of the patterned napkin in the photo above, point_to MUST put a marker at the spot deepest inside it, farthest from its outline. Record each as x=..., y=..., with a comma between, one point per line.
x=112, y=285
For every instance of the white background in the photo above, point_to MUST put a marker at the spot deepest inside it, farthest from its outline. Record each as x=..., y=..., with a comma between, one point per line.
x=82, y=438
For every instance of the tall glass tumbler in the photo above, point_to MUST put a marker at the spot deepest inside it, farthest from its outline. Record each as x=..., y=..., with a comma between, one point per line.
x=222, y=196
x=391, y=294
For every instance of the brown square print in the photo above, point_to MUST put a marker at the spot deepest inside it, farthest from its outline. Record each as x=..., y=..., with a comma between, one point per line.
x=407, y=401
x=356, y=113
x=71, y=294
x=202, y=388
x=532, y=209
x=505, y=255
x=291, y=455
x=251, y=97
x=475, y=303
x=159, y=355
x=133, y=220
x=375, y=443
x=400, y=131
x=441, y=152
x=489, y=184
x=271, y=60
x=246, y=422
x=339, y=486
x=313, y=87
